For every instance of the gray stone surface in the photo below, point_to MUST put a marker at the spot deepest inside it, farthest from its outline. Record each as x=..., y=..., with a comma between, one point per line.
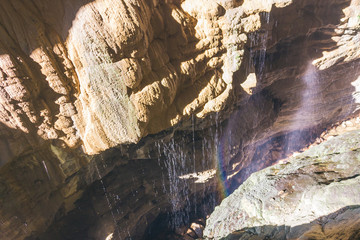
x=343, y=224
x=314, y=184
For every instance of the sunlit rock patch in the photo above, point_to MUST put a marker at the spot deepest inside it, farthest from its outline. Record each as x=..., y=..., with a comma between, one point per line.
x=313, y=184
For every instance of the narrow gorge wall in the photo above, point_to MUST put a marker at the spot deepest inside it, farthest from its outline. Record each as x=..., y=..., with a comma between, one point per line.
x=87, y=87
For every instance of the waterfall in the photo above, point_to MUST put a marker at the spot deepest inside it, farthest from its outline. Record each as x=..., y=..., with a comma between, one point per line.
x=258, y=40
x=107, y=195
x=306, y=115
x=263, y=47
x=185, y=169
x=176, y=161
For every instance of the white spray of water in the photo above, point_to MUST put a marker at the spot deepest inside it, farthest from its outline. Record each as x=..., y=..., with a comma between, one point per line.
x=307, y=113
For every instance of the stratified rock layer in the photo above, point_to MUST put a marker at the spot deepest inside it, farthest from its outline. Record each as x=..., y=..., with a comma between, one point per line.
x=286, y=199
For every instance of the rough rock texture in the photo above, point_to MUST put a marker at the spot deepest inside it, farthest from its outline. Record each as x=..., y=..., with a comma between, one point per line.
x=299, y=85
x=99, y=73
x=343, y=224
x=78, y=77
x=314, y=184
x=138, y=197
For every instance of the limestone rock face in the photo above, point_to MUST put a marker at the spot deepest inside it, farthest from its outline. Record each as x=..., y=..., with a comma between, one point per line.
x=86, y=77
x=310, y=186
x=99, y=74
x=298, y=86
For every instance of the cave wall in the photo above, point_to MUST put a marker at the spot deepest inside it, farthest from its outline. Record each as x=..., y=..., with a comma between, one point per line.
x=307, y=78
x=80, y=78
x=99, y=73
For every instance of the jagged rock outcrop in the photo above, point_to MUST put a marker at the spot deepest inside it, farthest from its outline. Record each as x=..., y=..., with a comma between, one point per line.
x=285, y=200
x=86, y=77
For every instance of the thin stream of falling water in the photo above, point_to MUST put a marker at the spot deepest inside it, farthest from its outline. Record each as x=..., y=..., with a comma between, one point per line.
x=179, y=161
x=258, y=39
x=194, y=157
x=263, y=47
x=158, y=145
x=46, y=169
x=107, y=198
x=206, y=162
x=216, y=138
x=178, y=188
x=263, y=41
x=213, y=150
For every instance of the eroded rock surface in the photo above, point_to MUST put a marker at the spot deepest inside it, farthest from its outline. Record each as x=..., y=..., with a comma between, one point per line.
x=83, y=77
x=343, y=224
x=310, y=186
x=100, y=74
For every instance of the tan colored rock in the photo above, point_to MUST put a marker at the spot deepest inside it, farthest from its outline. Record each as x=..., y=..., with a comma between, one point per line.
x=119, y=68
x=81, y=77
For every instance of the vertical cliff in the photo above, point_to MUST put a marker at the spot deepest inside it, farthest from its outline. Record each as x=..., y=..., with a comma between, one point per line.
x=88, y=86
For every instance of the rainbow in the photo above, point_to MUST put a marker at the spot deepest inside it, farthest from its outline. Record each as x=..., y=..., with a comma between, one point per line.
x=224, y=185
